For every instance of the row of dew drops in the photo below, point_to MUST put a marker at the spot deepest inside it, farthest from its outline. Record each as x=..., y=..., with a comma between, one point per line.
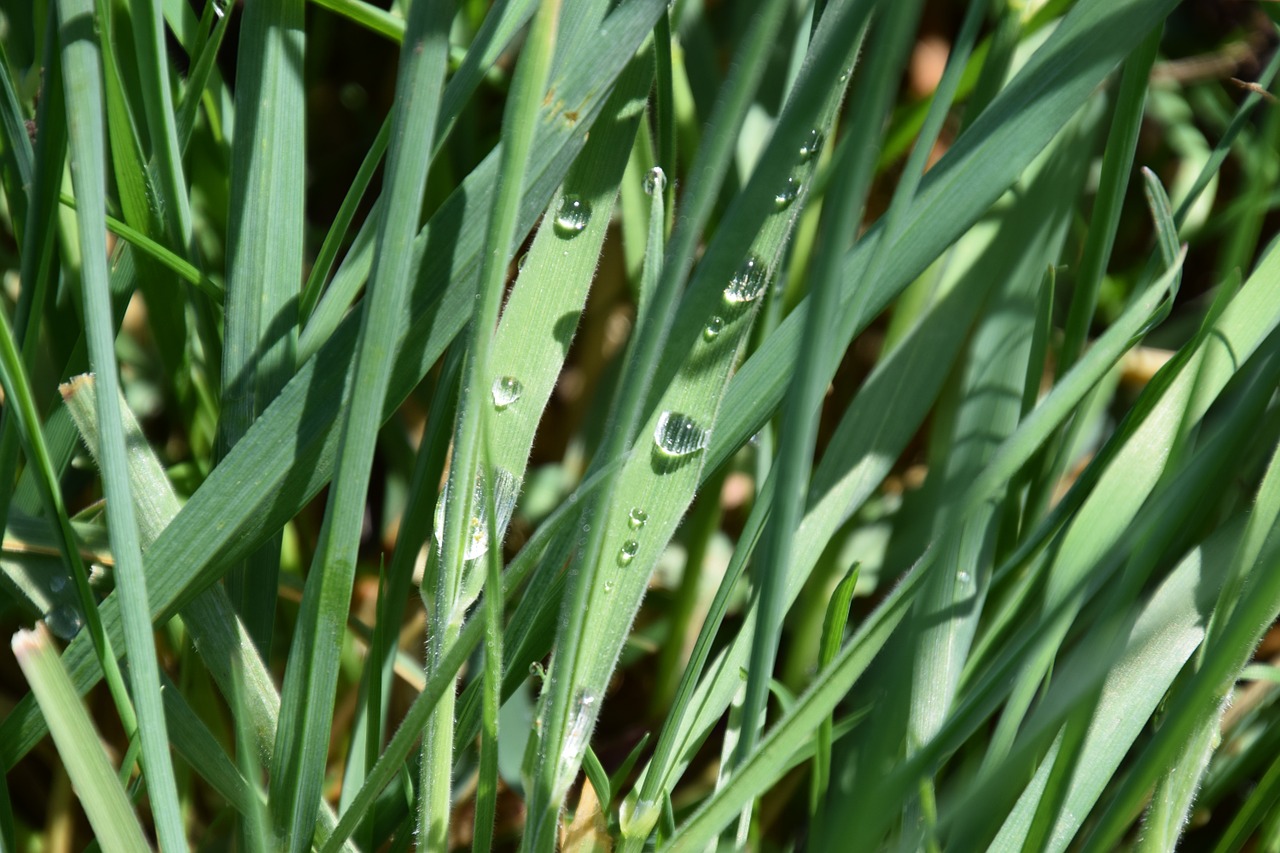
x=676, y=435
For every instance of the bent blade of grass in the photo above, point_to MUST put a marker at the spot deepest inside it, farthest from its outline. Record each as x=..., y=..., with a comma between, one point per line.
x=264, y=263
x=83, y=76
x=103, y=797
x=302, y=739
x=290, y=456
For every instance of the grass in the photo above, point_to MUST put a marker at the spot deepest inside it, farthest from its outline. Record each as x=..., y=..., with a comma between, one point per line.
x=614, y=425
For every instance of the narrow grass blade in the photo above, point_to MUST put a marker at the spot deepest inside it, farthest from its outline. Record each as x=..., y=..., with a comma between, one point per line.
x=101, y=793
x=302, y=739
x=81, y=61
x=451, y=595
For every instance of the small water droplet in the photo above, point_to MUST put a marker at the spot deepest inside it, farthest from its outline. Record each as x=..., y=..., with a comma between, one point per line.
x=747, y=283
x=628, y=552
x=573, y=216
x=844, y=76
x=678, y=435
x=506, y=390
x=57, y=583
x=505, y=492
x=521, y=262
x=64, y=621
x=963, y=578
x=811, y=146
x=655, y=181
x=787, y=194
x=637, y=518
x=608, y=586
x=714, y=325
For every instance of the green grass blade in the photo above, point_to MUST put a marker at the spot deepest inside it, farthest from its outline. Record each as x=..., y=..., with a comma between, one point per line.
x=101, y=793
x=480, y=387
x=798, y=434
x=302, y=739
x=81, y=61
x=264, y=269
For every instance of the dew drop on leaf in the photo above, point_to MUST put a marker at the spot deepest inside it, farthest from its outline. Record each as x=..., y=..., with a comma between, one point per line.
x=747, y=283
x=573, y=216
x=678, y=435
x=505, y=492
x=782, y=200
x=506, y=390
x=628, y=552
x=655, y=181
x=811, y=145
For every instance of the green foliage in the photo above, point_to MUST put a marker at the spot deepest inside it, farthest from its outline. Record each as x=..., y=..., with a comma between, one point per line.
x=604, y=424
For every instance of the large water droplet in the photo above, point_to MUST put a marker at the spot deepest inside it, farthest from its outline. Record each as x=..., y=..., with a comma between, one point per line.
x=712, y=330
x=678, y=435
x=628, y=552
x=655, y=181
x=812, y=145
x=637, y=518
x=64, y=621
x=506, y=390
x=782, y=200
x=573, y=216
x=505, y=492
x=747, y=283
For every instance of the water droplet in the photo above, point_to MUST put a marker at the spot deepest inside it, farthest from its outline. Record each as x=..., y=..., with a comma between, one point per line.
x=608, y=586
x=787, y=194
x=57, y=583
x=575, y=740
x=506, y=390
x=963, y=578
x=505, y=492
x=573, y=216
x=64, y=621
x=811, y=146
x=637, y=518
x=655, y=181
x=714, y=325
x=628, y=552
x=678, y=435
x=747, y=283
x=844, y=76
x=521, y=262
